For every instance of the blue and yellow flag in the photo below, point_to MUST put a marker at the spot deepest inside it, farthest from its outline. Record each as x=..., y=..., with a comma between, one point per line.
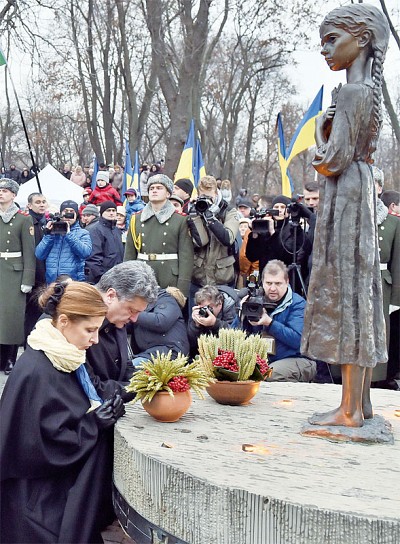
x=283, y=164
x=186, y=163
x=304, y=137
x=128, y=171
x=95, y=170
x=199, y=169
x=135, y=178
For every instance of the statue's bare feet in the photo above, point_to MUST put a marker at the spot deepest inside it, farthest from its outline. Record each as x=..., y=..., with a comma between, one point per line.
x=338, y=417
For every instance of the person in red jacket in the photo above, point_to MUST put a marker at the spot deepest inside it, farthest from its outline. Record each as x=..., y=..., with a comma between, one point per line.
x=103, y=190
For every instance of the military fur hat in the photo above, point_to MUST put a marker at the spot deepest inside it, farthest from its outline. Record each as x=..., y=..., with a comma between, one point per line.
x=9, y=184
x=162, y=179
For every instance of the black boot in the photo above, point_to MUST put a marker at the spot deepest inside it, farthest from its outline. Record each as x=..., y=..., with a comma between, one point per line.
x=9, y=367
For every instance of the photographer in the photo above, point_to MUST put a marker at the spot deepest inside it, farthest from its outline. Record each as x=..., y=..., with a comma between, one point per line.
x=284, y=323
x=275, y=232
x=216, y=308
x=213, y=225
x=65, y=246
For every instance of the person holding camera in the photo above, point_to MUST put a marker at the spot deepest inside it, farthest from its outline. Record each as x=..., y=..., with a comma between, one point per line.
x=216, y=308
x=282, y=318
x=65, y=246
x=213, y=225
x=277, y=234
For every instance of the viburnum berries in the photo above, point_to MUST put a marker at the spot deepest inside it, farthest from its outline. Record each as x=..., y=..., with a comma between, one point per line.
x=178, y=384
x=262, y=365
x=226, y=359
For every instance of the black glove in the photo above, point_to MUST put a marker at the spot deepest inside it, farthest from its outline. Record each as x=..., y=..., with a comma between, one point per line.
x=304, y=211
x=109, y=412
x=208, y=216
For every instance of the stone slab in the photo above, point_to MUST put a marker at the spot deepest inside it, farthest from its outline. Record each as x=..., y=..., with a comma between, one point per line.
x=290, y=489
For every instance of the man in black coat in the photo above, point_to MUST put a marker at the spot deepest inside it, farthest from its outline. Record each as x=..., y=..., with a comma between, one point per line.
x=37, y=205
x=127, y=289
x=107, y=246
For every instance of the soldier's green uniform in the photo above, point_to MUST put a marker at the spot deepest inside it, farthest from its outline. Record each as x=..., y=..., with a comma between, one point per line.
x=166, y=246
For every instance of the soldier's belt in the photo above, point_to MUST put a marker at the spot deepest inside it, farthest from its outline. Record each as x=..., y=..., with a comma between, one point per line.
x=157, y=256
x=10, y=254
x=383, y=266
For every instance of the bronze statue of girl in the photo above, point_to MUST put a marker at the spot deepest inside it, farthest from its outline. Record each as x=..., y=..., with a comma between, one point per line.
x=344, y=321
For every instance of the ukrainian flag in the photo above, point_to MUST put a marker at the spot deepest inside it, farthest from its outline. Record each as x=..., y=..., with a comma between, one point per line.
x=187, y=160
x=135, y=178
x=287, y=188
x=128, y=171
x=95, y=170
x=304, y=137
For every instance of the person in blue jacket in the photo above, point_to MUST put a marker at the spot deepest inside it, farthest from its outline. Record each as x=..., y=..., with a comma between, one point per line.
x=134, y=204
x=65, y=253
x=285, y=324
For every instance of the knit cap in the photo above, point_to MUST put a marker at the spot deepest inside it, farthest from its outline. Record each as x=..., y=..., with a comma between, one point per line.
x=186, y=185
x=69, y=204
x=281, y=199
x=130, y=191
x=91, y=209
x=107, y=205
x=121, y=210
x=103, y=175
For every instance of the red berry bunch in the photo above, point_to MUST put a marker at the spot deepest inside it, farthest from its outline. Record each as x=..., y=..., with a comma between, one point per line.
x=178, y=384
x=226, y=359
x=262, y=364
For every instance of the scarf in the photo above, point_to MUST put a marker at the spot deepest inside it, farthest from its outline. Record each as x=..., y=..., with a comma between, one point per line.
x=9, y=213
x=162, y=216
x=40, y=217
x=65, y=357
x=381, y=211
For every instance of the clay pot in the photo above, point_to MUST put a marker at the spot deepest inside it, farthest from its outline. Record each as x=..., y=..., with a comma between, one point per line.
x=168, y=409
x=233, y=393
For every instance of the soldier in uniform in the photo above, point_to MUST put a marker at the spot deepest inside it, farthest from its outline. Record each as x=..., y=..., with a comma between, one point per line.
x=159, y=235
x=17, y=271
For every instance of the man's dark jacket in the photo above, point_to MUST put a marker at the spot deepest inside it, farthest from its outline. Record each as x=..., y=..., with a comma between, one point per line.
x=107, y=249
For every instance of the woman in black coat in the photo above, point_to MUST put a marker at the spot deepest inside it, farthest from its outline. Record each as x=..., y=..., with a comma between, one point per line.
x=56, y=432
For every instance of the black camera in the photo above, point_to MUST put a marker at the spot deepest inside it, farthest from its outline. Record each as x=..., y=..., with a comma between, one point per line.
x=202, y=204
x=253, y=307
x=205, y=311
x=258, y=225
x=59, y=225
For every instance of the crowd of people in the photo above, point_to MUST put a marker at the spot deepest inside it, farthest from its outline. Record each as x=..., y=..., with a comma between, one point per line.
x=97, y=289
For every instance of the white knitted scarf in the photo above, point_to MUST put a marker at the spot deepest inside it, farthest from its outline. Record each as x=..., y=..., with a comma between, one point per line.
x=64, y=356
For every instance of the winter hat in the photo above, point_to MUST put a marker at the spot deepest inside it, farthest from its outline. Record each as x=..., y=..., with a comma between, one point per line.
x=121, y=210
x=87, y=192
x=130, y=191
x=245, y=203
x=69, y=204
x=91, y=209
x=186, y=185
x=162, y=179
x=281, y=199
x=177, y=198
x=103, y=175
x=378, y=175
x=9, y=184
x=107, y=205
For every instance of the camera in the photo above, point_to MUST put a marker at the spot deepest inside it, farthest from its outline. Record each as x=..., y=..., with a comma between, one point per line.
x=205, y=311
x=296, y=209
x=202, y=204
x=258, y=225
x=253, y=307
x=60, y=226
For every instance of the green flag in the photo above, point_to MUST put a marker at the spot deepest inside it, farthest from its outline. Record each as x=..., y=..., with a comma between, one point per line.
x=2, y=58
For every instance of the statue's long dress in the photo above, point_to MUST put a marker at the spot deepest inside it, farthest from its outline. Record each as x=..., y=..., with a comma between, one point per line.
x=344, y=321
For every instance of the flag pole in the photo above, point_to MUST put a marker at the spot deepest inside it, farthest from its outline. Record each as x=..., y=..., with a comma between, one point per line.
x=35, y=168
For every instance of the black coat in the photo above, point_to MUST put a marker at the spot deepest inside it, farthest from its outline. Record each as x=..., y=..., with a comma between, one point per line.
x=107, y=249
x=108, y=362
x=280, y=245
x=56, y=465
x=160, y=327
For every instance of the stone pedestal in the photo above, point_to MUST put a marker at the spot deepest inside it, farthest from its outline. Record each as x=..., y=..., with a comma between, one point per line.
x=191, y=481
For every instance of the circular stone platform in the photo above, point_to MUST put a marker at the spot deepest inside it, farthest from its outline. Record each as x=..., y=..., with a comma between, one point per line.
x=191, y=481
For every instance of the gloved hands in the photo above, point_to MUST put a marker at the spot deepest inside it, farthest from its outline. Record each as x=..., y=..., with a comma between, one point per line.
x=109, y=412
x=209, y=217
x=26, y=288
